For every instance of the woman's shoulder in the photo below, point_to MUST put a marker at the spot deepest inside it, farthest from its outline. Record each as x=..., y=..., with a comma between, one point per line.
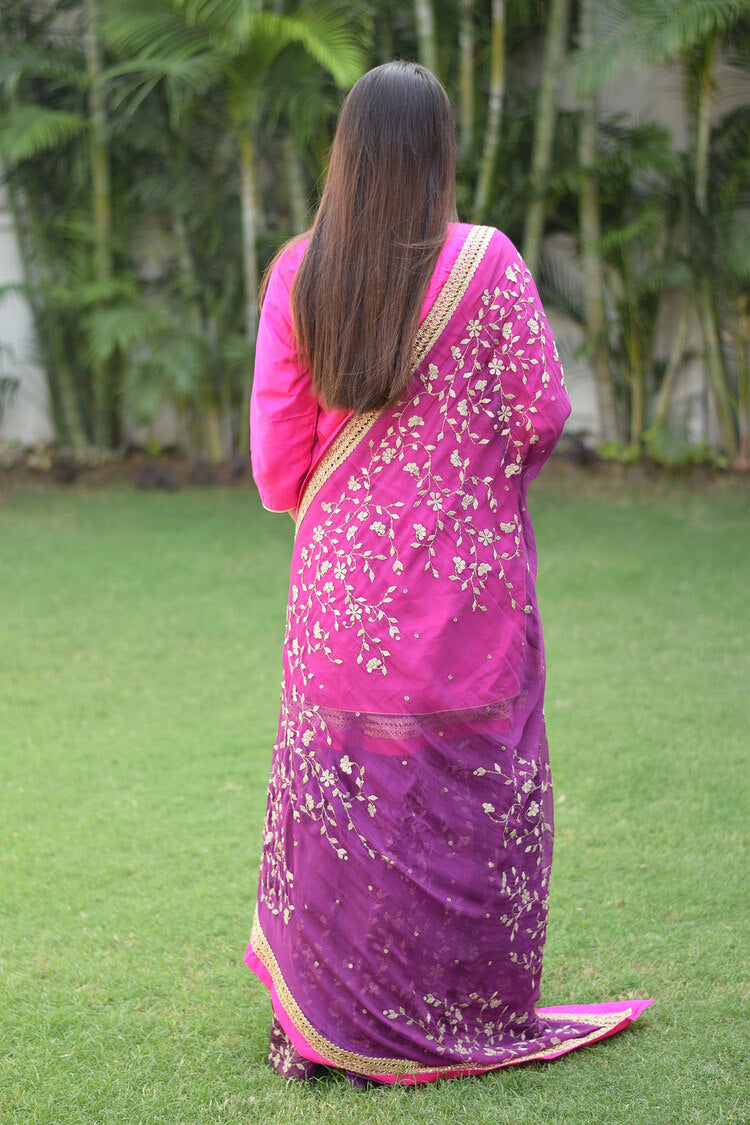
x=288, y=258
x=497, y=246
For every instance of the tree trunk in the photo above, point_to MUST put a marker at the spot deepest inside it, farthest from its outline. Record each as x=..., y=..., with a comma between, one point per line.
x=106, y=421
x=494, y=111
x=466, y=79
x=424, y=21
x=546, y=114
x=249, y=199
x=590, y=234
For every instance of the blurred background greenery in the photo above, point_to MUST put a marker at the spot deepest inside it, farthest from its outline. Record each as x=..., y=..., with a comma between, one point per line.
x=155, y=153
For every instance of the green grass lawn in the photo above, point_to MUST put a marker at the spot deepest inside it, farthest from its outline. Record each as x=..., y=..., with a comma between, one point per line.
x=140, y=641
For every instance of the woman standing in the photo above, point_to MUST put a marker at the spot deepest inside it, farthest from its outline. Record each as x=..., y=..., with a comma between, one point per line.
x=407, y=390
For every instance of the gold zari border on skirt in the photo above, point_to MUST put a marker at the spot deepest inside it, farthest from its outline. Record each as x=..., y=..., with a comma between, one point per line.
x=443, y=308
x=364, y=1064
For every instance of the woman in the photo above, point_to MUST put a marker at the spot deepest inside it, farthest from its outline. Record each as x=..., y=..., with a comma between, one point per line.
x=406, y=391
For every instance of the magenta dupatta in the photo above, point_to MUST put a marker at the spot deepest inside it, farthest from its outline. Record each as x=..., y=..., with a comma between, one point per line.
x=404, y=880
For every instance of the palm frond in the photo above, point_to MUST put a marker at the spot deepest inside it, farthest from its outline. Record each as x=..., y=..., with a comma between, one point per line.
x=22, y=60
x=28, y=130
x=634, y=33
x=108, y=330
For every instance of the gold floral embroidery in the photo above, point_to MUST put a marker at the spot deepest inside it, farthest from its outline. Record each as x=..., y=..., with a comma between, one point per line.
x=445, y=305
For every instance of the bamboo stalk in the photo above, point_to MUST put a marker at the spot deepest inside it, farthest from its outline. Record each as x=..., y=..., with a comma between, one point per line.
x=677, y=351
x=590, y=235
x=494, y=111
x=742, y=342
x=295, y=180
x=66, y=412
x=424, y=22
x=717, y=376
x=466, y=79
x=106, y=423
x=546, y=114
x=714, y=356
x=249, y=205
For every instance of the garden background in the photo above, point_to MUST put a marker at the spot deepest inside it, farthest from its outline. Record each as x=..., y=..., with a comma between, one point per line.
x=154, y=156
x=157, y=152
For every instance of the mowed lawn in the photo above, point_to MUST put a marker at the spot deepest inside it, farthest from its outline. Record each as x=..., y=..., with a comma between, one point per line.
x=140, y=642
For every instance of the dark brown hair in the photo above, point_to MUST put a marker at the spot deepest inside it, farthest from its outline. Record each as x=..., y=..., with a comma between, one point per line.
x=390, y=191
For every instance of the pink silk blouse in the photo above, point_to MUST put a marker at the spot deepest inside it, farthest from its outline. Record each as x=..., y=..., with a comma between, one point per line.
x=289, y=430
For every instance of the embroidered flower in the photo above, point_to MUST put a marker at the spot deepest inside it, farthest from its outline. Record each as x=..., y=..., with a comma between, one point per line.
x=459, y=564
x=353, y=484
x=378, y=527
x=435, y=501
x=387, y=455
x=307, y=737
x=473, y=328
x=463, y=408
x=339, y=571
x=456, y=459
x=483, y=569
x=419, y=532
x=346, y=763
x=318, y=534
x=415, y=421
x=374, y=664
x=496, y=366
x=488, y=808
x=512, y=470
x=432, y=371
x=412, y=469
x=503, y=414
x=485, y=537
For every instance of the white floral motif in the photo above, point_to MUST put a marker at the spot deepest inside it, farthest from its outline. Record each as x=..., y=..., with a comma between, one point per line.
x=312, y=791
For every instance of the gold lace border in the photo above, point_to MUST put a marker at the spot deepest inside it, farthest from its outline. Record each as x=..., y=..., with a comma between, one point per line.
x=443, y=308
x=368, y=1065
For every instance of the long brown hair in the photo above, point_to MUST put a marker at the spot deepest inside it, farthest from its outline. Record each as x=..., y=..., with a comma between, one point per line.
x=358, y=293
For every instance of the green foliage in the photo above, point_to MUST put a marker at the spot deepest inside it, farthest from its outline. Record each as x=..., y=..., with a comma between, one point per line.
x=635, y=33
x=28, y=130
x=187, y=82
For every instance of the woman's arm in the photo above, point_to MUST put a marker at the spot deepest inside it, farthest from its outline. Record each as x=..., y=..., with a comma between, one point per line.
x=283, y=411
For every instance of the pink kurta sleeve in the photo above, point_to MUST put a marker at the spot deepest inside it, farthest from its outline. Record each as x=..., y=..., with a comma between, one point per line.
x=283, y=411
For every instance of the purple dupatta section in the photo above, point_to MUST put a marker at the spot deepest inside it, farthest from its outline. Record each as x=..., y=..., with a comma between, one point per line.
x=404, y=881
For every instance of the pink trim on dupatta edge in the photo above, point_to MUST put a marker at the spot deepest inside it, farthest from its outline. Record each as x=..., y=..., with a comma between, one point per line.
x=630, y=1010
